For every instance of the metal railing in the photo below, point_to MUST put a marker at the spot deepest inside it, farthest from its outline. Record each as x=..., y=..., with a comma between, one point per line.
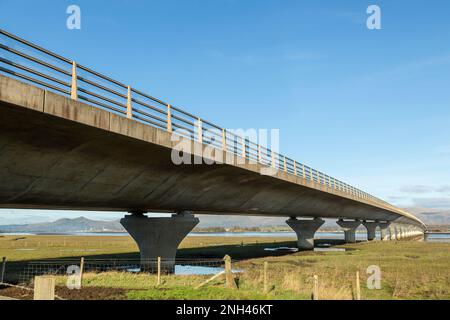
x=26, y=61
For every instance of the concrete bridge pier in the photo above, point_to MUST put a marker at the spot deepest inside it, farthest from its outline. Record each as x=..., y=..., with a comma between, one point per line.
x=398, y=233
x=158, y=237
x=305, y=230
x=371, y=227
x=393, y=232
x=349, y=228
x=408, y=232
x=384, y=227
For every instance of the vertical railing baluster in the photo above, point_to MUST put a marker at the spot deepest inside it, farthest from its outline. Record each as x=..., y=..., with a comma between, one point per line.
x=259, y=154
x=273, y=159
x=224, y=140
x=285, y=164
x=295, y=167
x=244, y=155
x=169, y=118
x=200, y=130
x=129, y=106
x=74, y=85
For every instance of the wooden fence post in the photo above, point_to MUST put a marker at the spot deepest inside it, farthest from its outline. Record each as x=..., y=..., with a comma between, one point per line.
x=358, y=287
x=159, y=272
x=2, y=275
x=81, y=270
x=229, y=277
x=210, y=279
x=44, y=288
x=266, y=289
x=315, y=293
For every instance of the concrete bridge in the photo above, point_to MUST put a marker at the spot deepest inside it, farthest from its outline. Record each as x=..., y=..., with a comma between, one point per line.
x=83, y=141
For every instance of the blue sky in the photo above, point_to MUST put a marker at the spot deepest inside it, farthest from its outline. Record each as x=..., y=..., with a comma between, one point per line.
x=371, y=107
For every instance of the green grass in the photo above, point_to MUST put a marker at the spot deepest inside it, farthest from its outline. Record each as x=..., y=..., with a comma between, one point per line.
x=410, y=270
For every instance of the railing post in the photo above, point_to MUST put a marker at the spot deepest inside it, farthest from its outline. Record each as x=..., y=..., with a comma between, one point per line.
x=295, y=167
x=224, y=140
x=129, y=106
x=259, y=154
x=285, y=165
x=303, y=171
x=74, y=86
x=200, y=130
x=169, y=118
x=311, y=174
x=273, y=159
x=243, y=147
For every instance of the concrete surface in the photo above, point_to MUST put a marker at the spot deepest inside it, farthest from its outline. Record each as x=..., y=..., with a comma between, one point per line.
x=159, y=237
x=61, y=154
x=384, y=227
x=371, y=228
x=305, y=230
x=349, y=228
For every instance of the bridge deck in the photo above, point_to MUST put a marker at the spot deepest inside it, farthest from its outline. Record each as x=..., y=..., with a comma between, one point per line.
x=57, y=153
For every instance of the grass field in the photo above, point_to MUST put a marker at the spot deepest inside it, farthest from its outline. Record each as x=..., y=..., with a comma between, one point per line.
x=409, y=269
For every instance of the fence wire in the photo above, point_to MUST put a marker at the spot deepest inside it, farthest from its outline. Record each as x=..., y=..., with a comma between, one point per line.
x=166, y=266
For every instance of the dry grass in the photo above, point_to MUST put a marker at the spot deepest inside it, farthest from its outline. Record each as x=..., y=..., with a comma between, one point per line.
x=410, y=270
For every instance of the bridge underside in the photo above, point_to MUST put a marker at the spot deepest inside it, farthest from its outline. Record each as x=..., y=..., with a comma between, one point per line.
x=61, y=154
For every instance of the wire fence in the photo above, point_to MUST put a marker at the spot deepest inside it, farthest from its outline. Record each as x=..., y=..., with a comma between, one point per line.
x=31, y=63
x=67, y=267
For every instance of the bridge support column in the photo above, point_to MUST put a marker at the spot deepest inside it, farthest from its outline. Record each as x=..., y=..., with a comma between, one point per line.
x=384, y=226
x=398, y=233
x=158, y=237
x=305, y=230
x=349, y=229
x=392, y=233
x=371, y=228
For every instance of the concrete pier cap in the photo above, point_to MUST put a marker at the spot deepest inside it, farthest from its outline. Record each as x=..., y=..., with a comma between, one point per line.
x=371, y=227
x=305, y=230
x=159, y=237
x=349, y=228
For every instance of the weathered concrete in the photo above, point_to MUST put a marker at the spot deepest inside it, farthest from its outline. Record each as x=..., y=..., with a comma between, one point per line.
x=305, y=230
x=371, y=228
x=384, y=227
x=398, y=233
x=159, y=237
x=349, y=228
x=58, y=153
x=392, y=233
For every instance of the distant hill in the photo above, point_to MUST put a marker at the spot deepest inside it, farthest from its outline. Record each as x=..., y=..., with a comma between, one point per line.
x=80, y=224
x=83, y=224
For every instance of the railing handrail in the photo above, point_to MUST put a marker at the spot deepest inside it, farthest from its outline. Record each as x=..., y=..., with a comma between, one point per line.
x=242, y=146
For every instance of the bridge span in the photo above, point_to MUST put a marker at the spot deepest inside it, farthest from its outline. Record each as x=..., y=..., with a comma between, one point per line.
x=71, y=138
